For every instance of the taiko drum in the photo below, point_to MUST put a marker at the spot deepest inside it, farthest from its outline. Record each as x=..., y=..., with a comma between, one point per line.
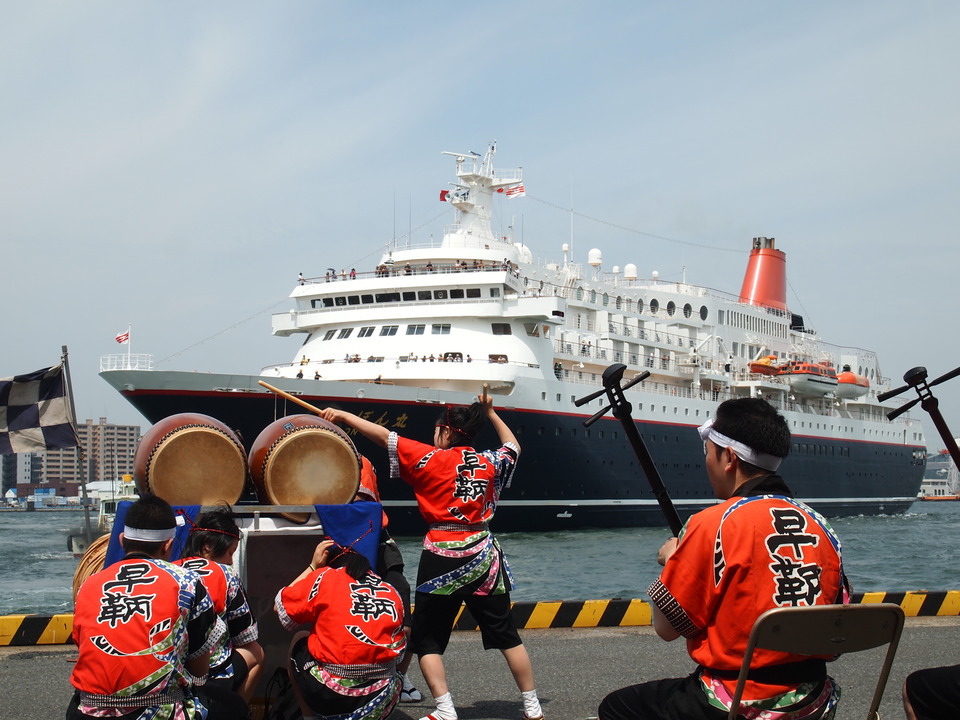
x=191, y=459
x=304, y=460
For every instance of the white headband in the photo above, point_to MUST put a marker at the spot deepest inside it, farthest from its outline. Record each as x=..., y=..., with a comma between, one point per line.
x=148, y=535
x=744, y=452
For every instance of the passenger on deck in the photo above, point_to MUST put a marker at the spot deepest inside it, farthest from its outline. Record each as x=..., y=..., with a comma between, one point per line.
x=773, y=551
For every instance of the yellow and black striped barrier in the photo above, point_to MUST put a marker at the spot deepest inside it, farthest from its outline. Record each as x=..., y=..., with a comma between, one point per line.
x=56, y=629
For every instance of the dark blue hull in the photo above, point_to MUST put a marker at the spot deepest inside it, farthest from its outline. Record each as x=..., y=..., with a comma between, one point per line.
x=572, y=477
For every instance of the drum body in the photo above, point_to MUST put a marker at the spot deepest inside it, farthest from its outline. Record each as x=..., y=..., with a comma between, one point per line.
x=304, y=460
x=191, y=459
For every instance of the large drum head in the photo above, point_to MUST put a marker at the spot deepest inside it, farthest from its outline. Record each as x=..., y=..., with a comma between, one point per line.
x=191, y=459
x=304, y=460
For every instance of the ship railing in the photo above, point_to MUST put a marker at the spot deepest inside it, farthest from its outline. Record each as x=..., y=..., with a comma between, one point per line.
x=131, y=361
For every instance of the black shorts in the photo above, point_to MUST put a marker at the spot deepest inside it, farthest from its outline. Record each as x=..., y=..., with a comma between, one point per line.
x=435, y=615
x=935, y=692
x=670, y=699
x=240, y=671
x=390, y=568
x=321, y=699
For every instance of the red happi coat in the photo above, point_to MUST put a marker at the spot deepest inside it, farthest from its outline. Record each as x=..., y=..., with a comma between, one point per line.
x=136, y=623
x=353, y=622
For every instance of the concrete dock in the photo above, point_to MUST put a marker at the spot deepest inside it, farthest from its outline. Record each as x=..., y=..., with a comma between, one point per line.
x=574, y=667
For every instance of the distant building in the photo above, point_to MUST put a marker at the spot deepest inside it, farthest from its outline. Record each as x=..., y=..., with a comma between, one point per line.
x=108, y=451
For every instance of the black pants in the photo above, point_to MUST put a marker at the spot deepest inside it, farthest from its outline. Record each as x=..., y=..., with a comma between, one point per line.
x=221, y=705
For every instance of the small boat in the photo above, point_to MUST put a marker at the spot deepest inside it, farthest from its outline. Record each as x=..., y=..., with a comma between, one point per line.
x=767, y=365
x=807, y=378
x=77, y=540
x=850, y=385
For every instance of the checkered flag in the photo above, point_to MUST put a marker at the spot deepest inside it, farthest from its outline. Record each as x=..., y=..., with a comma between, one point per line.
x=34, y=414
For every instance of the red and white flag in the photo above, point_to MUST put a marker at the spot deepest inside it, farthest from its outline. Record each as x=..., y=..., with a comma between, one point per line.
x=515, y=191
x=123, y=337
x=443, y=195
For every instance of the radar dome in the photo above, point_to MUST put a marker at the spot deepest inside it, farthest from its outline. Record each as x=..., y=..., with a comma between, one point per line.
x=595, y=258
x=656, y=275
x=565, y=247
x=630, y=271
x=523, y=253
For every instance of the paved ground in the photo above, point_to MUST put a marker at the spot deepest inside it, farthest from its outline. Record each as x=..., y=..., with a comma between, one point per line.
x=575, y=668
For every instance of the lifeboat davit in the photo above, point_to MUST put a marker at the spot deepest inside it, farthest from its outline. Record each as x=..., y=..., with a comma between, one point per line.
x=851, y=386
x=810, y=378
x=765, y=365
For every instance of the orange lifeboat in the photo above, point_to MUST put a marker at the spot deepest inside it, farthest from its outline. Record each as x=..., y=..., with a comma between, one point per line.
x=807, y=378
x=851, y=386
x=765, y=365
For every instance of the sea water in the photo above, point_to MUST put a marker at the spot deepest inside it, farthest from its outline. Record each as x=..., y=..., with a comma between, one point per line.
x=883, y=553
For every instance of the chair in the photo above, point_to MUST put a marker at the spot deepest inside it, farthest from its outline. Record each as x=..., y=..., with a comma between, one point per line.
x=826, y=630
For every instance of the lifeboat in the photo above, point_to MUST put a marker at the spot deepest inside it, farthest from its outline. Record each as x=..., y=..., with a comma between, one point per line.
x=810, y=378
x=765, y=365
x=851, y=386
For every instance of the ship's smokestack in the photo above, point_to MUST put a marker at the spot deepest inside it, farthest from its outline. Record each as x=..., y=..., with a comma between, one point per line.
x=765, y=281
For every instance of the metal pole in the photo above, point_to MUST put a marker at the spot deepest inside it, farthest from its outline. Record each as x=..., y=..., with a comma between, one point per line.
x=80, y=459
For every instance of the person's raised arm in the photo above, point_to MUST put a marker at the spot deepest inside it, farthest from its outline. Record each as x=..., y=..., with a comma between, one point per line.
x=503, y=431
x=370, y=430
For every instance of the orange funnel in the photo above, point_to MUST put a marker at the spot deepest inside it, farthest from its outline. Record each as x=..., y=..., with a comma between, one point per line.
x=765, y=281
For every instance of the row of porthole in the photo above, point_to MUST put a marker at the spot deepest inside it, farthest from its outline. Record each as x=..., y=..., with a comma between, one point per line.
x=654, y=305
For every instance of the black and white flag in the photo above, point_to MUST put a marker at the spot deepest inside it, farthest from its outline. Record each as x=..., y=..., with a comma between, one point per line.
x=34, y=412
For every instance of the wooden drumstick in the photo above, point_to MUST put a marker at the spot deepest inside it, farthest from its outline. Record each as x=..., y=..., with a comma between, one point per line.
x=291, y=398
x=485, y=387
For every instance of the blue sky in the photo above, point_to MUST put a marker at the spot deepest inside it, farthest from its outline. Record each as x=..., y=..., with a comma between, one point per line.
x=174, y=165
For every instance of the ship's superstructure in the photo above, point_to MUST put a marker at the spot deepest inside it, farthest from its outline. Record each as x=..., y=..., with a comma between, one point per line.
x=431, y=324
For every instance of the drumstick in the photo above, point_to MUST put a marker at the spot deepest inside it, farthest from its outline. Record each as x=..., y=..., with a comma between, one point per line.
x=292, y=398
x=485, y=386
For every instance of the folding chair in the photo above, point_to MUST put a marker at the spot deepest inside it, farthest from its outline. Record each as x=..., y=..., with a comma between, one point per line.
x=826, y=630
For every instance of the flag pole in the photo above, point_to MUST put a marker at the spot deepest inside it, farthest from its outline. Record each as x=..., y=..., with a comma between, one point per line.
x=129, y=344
x=81, y=460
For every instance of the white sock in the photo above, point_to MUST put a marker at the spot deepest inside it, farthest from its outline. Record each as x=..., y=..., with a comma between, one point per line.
x=531, y=705
x=445, y=708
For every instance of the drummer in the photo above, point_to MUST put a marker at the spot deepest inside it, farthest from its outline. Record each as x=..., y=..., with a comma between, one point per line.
x=238, y=658
x=390, y=568
x=457, y=489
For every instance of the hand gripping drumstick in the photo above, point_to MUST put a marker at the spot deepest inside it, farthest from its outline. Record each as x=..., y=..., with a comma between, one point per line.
x=291, y=398
x=485, y=386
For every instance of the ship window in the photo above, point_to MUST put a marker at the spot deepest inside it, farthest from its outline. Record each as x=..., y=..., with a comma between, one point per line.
x=687, y=310
x=388, y=297
x=473, y=292
x=671, y=308
x=543, y=396
x=456, y=294
x=640, y=307
x=619, y=302
x=344, y=334
x=415, y=329
x=495, y=292
x=340, y=301
x=496, y=358
x=654, y=306
x=409, y=296
x=558, y=397
x=366, y=299
x=533, y=329
x=424, y=295
x=438, y=329
x=353, y=300
x=452, y=357
x=365, y=331
x=500, y=328
x=579, y=293
x=593, y=296
x=388, y=330
x=440, y=295
x=606, y=299
x=329, y=335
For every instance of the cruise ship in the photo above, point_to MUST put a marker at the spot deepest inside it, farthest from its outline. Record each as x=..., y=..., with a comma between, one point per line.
x=433, y=323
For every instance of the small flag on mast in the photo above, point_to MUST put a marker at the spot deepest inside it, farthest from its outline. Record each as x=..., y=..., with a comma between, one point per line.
x=123, y=337
x=35, y=413
x=515, y=191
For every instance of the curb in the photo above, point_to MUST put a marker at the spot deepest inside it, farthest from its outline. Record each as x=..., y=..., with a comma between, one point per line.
x=25, y=630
